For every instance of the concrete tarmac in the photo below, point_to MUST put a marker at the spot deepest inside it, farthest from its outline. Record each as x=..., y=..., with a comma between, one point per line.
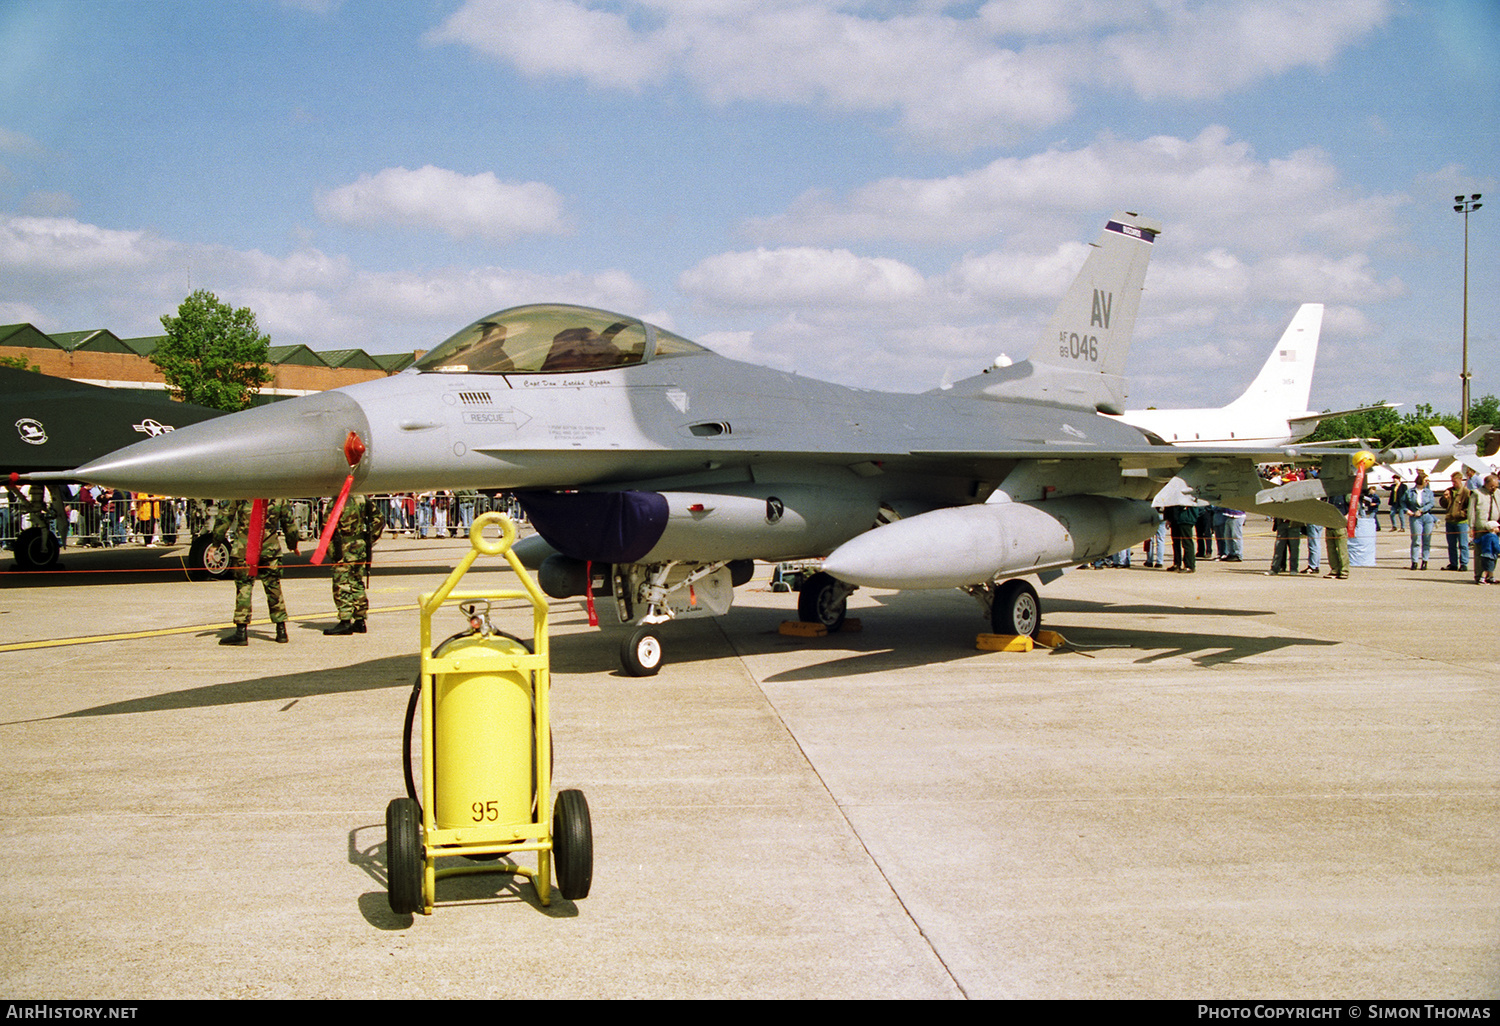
x=1226, y=785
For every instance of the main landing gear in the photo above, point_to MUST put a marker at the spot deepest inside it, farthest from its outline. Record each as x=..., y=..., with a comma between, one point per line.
x=824, y=599
x=675, y=590
x=37, y=548
x=208, y=560
x=1014, y=607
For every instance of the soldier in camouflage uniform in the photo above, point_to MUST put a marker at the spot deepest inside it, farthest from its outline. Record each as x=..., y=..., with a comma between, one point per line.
x=234, y=514
x=359, y=525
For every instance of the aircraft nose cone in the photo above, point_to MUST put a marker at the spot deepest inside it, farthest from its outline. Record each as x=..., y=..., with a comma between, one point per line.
x=290, y=448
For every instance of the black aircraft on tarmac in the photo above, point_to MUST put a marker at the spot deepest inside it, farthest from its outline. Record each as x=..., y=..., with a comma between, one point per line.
x=54, y=424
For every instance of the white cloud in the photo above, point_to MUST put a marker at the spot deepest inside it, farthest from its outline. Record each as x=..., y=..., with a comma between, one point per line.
x=61, y=244
x=953, y=80
x=560, y=38
x=462, y=206
x=460, y=295
x=1296, y=277
x=796, y=276
x=83, y=275
x=1010, y=274
x=15, y=312
x=1207, y=50
x=15, y=142
x=1211, y=189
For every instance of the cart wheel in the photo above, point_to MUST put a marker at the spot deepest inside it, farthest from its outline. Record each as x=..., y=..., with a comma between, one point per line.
x=573, y=845
x=403, y=855
x=641, y=653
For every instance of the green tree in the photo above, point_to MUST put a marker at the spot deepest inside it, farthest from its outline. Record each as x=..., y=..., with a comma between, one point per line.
x=213, y=355
x=1390, y=429
x=20, y=363
x=1378, y=424
x=1484, y=410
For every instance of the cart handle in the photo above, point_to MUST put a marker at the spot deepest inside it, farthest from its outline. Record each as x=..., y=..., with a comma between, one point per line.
x=498, y=546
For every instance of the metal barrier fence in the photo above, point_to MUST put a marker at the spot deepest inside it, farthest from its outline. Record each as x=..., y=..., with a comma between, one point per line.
x=177, y=521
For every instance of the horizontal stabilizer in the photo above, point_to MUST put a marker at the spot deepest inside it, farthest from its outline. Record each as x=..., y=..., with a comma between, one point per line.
x=1308, y=422
x=1235, y=484
x=1303, y=511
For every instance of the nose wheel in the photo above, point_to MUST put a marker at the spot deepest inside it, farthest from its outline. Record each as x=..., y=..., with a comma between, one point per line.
x=641, y=653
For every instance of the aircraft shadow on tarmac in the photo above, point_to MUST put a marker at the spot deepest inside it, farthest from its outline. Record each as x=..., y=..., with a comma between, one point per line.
x=372, y=675
x=367, y=851
x=136, y=564
x=922, y=629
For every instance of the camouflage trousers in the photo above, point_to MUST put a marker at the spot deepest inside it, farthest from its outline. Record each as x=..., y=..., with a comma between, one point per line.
x=270, y=579
x=349, y=591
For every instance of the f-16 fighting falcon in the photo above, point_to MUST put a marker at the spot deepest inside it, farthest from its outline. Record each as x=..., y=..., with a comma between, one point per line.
x=662, y=470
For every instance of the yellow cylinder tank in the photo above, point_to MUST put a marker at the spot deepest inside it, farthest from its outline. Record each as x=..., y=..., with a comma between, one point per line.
x=483, y=736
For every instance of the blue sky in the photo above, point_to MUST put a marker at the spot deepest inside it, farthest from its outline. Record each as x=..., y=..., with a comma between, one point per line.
x=877, y=193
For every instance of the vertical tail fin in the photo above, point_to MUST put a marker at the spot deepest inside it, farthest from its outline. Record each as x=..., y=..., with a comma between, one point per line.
x=1080, y=360
x=1284, y=384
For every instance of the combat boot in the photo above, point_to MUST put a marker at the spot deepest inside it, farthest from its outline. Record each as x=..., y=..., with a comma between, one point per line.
x=343, y=627
x=237, y=638
x=359, y=627
x=281, y=632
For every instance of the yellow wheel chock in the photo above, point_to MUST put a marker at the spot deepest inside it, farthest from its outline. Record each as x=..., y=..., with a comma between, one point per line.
x=486, y=743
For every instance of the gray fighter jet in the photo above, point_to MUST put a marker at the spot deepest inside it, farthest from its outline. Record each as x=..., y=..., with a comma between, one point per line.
x=656, y=471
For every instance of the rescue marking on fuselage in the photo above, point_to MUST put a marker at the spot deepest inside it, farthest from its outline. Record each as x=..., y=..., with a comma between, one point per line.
x=512, y=417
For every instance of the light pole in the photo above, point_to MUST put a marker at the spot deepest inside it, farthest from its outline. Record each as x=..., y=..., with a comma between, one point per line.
x=1466, y=206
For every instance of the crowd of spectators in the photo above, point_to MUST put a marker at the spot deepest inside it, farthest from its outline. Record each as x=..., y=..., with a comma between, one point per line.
x=1211, y=532
x=90, y=516
x=102, y=517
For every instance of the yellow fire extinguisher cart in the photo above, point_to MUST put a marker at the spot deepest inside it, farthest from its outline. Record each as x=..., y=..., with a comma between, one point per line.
x=486, y=745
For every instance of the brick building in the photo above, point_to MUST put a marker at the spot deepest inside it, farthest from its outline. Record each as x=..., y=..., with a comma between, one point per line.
x=99, y=357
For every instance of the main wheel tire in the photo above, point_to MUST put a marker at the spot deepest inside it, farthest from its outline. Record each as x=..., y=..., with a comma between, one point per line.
x=207, y=559
x=822, y=600
x=403, y=854
x=641, y=653
x=37, y=549
x=573, y=845
x=1016, y=609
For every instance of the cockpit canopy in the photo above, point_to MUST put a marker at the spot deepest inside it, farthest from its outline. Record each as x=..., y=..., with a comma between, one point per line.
x=552, y=338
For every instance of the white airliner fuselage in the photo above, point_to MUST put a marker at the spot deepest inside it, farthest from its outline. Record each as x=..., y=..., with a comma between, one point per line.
x=1273, y=410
